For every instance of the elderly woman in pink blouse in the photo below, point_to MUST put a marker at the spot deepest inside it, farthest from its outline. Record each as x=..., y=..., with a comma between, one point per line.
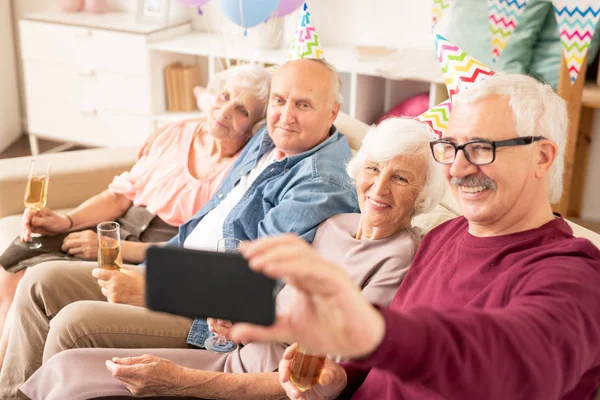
x=176, y=175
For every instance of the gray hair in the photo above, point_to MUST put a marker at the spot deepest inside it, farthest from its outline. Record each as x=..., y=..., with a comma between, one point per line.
x=397, y=137
x=538, y=111
x=252, y=77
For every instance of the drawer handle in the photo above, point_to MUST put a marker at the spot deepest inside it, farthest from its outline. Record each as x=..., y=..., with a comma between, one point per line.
x=83, y=33
x=88, y=111
x=90, y=73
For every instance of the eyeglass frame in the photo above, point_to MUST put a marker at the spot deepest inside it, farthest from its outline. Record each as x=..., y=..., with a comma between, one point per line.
x=520, y=141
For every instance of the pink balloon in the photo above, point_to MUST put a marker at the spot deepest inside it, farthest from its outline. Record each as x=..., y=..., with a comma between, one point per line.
x=193, y=3
x=286, y=7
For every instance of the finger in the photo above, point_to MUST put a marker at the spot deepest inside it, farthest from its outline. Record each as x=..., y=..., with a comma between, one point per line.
x=104, y=274
x=224, y=323
x=291, y=390
x=106, y=293
x=251, y=249
x=279, y=332
x=76, y=251
x=133, y=360
x=103, y=283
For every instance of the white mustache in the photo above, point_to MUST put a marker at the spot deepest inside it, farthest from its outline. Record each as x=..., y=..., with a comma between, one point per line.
x=474, y=181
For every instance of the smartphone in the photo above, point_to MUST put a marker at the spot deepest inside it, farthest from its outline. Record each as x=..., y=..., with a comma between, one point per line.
x=202, y=284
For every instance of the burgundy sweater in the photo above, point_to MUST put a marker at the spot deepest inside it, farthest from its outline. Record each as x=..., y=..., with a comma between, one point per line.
x=506, y=317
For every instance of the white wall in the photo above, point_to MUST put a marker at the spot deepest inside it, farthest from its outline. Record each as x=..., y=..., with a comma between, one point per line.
x=10, y=124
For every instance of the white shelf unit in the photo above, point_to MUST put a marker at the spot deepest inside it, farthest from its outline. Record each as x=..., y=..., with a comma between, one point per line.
x=366, y=88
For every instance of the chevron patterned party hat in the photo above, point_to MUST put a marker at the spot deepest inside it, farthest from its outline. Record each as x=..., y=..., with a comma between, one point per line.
x=437, y=118
x=306, y=42
x=576, y=24
x=460, y=69
x=503, y=18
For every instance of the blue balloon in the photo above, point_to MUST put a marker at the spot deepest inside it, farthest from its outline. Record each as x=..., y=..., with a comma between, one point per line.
x=247, y=13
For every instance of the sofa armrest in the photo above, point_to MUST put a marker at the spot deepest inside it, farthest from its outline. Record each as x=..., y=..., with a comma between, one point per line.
x=352, y=128
x=75, y=176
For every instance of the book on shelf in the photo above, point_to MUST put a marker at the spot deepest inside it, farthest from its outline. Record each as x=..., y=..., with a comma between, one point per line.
x=180, y=81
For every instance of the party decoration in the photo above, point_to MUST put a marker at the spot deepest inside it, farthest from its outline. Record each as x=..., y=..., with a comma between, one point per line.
x=194, y=3
x=286, y=7
x=460, y=69
x=247, y=13
x=438, y=10
x=576, y=24
x=503, y=19
x=437, y=118
x=306, y=40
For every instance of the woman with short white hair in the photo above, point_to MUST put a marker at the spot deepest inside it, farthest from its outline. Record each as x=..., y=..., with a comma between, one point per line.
x=396, y=179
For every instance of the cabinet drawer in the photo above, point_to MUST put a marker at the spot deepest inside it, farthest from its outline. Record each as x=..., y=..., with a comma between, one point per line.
x=84, y=47
x=88, y=127
x=86, y=88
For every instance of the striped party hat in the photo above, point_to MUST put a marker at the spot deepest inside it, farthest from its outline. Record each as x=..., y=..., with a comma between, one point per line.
x=306, y=42
x=437, y=118
x=460, y=69
x=576, y=24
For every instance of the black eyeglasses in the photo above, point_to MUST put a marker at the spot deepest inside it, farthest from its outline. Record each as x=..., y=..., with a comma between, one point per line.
x=477, y=152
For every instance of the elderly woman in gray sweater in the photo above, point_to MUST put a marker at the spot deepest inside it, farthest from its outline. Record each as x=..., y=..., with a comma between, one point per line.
x=396, y=179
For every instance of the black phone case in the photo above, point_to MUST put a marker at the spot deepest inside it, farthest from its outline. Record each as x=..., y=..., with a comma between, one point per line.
x=202, y=284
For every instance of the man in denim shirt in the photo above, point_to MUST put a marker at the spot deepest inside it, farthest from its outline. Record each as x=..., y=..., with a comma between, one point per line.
x=289, y=179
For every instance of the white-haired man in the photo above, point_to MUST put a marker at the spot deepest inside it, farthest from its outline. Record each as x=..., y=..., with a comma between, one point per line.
x=502, y=303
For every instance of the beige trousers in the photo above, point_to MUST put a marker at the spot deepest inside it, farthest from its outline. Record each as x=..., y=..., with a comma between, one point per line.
x=59, y=306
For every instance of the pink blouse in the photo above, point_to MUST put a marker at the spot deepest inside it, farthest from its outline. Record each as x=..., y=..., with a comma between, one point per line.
x=161, y=180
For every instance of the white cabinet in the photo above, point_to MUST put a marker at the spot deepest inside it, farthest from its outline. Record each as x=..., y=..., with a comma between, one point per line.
x=90, y=79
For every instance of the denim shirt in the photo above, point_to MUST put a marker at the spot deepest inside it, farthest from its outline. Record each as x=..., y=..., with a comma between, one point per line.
x=294, y=195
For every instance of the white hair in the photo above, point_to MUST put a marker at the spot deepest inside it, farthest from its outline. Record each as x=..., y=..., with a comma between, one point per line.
x=538, y=111
x=403, y=137
x=252, y=77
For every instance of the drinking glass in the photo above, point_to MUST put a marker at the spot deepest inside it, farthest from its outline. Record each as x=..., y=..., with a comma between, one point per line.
x=36, y=195
x=306, y=368
x=218, y=343
x=109, y=246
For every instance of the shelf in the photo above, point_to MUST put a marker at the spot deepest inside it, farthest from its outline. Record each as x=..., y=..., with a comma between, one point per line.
x=591, y=96
x=404, y=64
x=112, y=21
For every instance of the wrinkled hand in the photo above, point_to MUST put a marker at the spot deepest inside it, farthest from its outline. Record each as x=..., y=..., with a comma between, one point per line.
x=44, y=221
x=330, y=315
x=332, y=380
x=122, y=287
x=148, y=375
x=220, y=327
x=82, y=244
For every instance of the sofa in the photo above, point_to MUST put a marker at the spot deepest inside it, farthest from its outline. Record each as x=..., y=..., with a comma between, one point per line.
x=78, y=175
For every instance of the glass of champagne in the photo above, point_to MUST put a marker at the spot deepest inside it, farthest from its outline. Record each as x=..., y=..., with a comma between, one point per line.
x=218, y=343
x=36, y=195
x=109, y=246
x=306, y=368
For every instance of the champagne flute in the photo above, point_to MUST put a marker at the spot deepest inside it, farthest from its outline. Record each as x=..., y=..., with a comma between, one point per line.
x=36, y=196
x=219, y=343
x=306, y=368
x=109, y=246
